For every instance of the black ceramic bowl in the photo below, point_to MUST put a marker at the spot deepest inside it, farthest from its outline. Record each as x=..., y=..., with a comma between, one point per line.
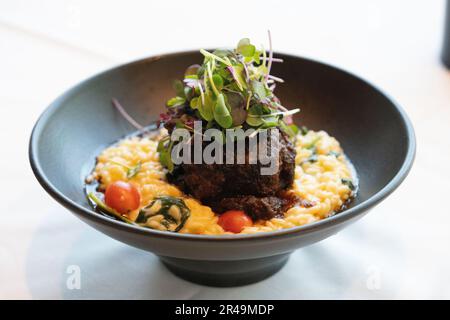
x=373, y=130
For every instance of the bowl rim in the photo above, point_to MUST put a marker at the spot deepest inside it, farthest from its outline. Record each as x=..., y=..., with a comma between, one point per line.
x=294, y=231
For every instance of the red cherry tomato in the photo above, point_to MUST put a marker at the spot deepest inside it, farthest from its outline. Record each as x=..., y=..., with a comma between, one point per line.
x=234, y=221
x=122, y=197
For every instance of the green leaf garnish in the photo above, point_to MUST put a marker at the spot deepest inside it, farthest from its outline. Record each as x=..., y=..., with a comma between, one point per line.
x=194, y=104
x=192, y=71
x=102, y=207
x=176, y=101
x=179, y=88
x=165, y=148
x=131, y=172
x=292, y=130
x=259, y=89
x=334, y=153
x=218, y=81
x=348, y=183
x=312, y=144
x=206, y=110
x=221, y=113
x=304, y=130
x=246, y=48
x=213, y=56
x=254, y=116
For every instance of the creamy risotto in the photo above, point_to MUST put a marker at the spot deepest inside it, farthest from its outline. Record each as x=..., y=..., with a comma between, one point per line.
x=323, y=178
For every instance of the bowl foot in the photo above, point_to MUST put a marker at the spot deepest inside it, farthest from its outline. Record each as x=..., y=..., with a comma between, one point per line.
x=225, y=273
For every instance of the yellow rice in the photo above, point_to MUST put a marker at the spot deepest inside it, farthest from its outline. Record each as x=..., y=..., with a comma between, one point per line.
x=319, y=182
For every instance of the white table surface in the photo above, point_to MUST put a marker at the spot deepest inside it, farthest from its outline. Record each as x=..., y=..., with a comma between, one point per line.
x=400, y=250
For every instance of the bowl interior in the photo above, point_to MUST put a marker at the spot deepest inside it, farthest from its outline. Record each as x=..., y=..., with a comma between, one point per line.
x=80, y=123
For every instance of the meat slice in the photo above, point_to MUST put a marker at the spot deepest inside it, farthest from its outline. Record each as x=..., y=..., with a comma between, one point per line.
x=257, y=207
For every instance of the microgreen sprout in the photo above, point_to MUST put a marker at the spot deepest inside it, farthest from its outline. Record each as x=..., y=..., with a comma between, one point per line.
x=231, y=89
x=245, y=71
x=127, y=117
x=269, y=65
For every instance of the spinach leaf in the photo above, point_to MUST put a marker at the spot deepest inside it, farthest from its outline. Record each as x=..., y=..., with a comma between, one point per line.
x=134, y=170
x=164, y=213
x=349, y=183
x=334, y=153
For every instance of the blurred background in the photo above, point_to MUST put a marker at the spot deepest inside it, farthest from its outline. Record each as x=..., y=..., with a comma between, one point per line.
x=400, y=250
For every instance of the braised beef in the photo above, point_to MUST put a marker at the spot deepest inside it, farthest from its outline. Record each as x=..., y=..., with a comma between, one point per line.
x=241, y=186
